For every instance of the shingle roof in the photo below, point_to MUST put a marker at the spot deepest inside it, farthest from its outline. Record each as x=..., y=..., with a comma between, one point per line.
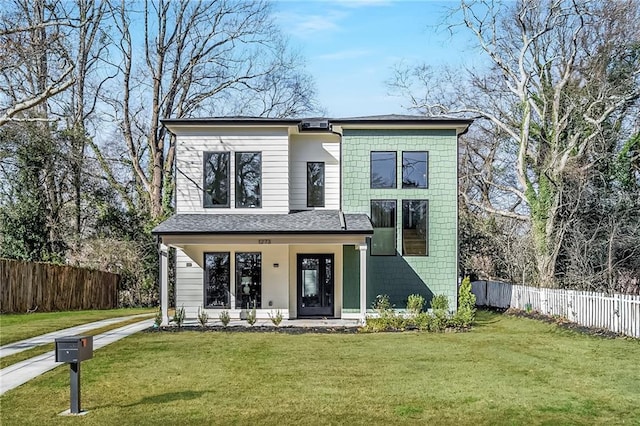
x=305, y=222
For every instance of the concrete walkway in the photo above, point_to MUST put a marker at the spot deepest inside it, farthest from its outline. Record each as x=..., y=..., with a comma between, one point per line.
x=23, y=345
x=21, y=372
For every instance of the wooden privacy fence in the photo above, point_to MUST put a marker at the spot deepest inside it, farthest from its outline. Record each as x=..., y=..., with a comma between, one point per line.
x=27, y=285
x=619, y=313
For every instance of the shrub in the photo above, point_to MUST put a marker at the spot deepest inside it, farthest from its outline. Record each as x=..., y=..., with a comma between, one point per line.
x=251, y=315
x=179, y=316
x=415, y=303
x=158, y=318
x=203, y=317
x=277, y=318
x=440, y=302
x=224, y=318
x=423, y=321
x=382, y=305
x=466, y=305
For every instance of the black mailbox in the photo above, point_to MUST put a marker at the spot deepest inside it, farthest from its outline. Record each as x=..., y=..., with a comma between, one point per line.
x=74, y=349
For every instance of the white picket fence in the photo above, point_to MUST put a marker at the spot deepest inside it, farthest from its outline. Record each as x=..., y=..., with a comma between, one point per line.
x=619, y=313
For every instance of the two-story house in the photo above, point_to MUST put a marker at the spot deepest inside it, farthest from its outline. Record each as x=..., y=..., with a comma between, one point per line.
x=312, y=217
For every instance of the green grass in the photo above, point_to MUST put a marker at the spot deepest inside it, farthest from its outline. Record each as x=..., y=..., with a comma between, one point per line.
x=15, y=327
x=505, y=371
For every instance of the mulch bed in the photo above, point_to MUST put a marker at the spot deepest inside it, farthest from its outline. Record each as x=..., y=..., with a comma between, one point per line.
x=565, y=324
x=256, y=329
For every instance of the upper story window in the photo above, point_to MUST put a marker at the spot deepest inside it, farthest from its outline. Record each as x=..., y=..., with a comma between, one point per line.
x=248, y=179
x=383, y=219
x=415, y=227
x=216, y=179
x=383, y=169
x=315, y=184
x=415, y=167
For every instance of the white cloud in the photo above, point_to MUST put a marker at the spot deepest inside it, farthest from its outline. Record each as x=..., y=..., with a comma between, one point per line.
x=303, y=25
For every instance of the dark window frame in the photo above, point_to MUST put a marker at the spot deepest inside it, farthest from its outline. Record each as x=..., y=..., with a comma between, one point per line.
x=395, y=226
x=426, y=171
x=206, y=280
x=235, y=179
x=395, y=168
x=426, y=230
x=257, y=291
x=205, y=158
x=324, y=185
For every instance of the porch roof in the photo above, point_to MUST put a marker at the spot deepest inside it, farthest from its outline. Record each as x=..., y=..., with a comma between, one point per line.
x=304, y=222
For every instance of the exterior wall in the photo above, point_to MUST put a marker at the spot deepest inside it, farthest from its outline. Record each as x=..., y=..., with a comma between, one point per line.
x=351, y=279
x=398, y=276
x=190, y=279
x=314, y=147
x=274, y=145
x=334, y=249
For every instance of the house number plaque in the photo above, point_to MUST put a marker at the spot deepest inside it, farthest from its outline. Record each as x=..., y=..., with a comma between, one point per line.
x=264, y=241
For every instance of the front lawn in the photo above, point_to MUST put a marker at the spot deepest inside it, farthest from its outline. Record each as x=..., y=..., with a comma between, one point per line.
x=14, y=327
x=507, y=370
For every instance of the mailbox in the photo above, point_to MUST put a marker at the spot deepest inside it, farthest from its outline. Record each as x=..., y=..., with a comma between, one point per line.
x=74, y=349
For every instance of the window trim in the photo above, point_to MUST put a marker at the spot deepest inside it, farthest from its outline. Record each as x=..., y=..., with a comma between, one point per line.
x=395, y=227
x=204, y=180
x=426, y=174
x=427, y=239
x=395, y=168
x=324, y=183
x=206, y=279
x=235, y=179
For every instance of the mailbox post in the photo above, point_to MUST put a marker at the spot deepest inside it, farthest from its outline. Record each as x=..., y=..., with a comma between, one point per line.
x=73, y=350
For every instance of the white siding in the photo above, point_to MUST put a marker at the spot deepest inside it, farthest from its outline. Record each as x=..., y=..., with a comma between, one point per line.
x=189, y=289
x=304, y=148
x=190, y=279
x=273, y=143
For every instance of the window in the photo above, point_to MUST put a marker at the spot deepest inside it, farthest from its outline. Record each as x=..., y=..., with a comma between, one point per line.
x=248, y=179
x=415, y=227
x=248, y=280
x=383, y=169
x=216, y=179
x=415, y=166
x=383, y=218
x=216, y=280
x=315, y=184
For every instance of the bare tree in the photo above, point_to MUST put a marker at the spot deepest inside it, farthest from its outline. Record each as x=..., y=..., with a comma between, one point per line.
x=561, y=74
x=35, y=65
x=206, y=57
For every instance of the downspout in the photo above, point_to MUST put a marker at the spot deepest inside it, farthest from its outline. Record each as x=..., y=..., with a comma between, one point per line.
x=340, y=169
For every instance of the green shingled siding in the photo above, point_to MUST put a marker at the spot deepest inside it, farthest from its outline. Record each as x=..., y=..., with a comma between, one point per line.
x=398, y=276
x=351, y=279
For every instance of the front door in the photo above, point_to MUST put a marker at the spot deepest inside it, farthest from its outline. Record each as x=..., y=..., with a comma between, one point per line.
x=315, y=285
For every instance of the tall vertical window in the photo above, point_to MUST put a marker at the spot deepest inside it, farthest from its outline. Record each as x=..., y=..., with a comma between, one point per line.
x=216, y=280
x=415, y=167
x=415, y=227
x=248, y=280
x=216, y=179
x=315, y=184
x=383, y=219
x=248, y=179
x=383, y=169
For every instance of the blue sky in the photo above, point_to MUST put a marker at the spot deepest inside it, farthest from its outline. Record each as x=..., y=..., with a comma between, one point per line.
x=351, y=47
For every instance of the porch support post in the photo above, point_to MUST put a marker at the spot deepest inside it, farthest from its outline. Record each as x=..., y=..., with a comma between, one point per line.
x=164, y=284
x=363, y=282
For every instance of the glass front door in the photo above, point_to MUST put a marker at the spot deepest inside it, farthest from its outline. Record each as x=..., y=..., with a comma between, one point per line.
x=315, y=285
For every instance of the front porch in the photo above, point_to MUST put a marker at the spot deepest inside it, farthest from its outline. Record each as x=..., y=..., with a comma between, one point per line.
x=311, y=265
